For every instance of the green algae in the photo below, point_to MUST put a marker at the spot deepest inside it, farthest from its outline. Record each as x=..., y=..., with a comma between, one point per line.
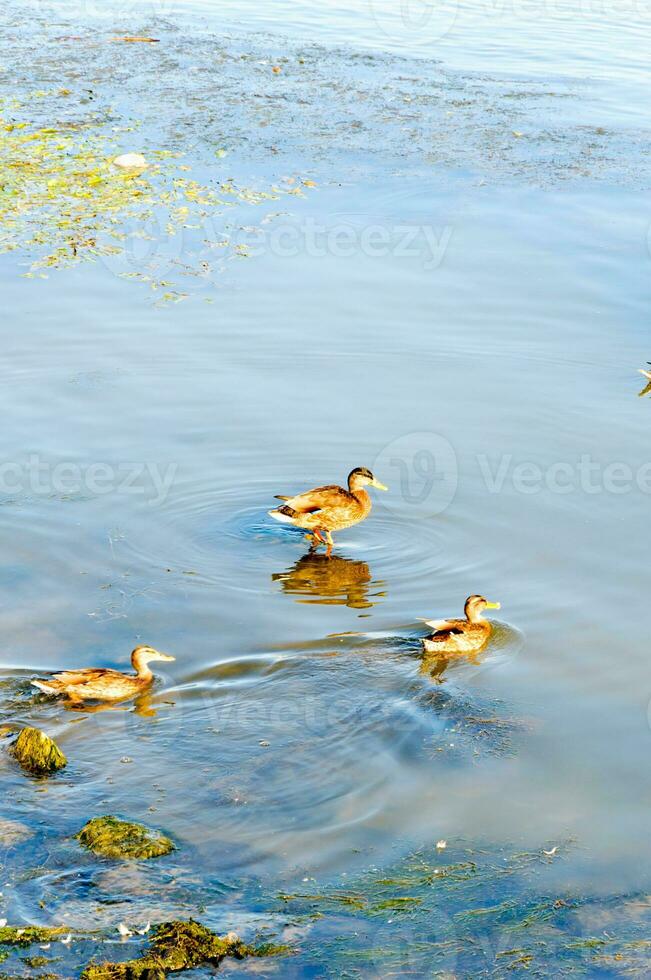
x=37, y=752
x=63, y=200
x=335, y=898
x=397, y=904
x=36, y=961
x=25, y=936
x=113, y=838
x=488, y=912
x=175, y=946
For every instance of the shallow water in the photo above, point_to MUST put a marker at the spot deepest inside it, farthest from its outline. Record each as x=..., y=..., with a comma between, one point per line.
x=458, y=298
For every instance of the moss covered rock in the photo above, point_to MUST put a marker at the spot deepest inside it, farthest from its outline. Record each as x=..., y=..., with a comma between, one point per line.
x=26, y=935
x=113, y=838
x=37, y=752
x=175, y=946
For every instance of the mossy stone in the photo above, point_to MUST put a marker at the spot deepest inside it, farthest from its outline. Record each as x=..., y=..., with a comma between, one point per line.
x=36, y=961
x=25, y=936
x=114, y=838
x=37, y=752
x=175, y=946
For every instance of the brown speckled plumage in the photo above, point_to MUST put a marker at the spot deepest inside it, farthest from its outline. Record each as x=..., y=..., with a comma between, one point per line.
x=467, y=635
x=330, y=508
x=102, y=684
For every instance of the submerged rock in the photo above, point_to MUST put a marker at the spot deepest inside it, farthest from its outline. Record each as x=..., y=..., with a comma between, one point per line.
x=175, y=946
x=113, y=838
x=37, y=752
x=13, y=832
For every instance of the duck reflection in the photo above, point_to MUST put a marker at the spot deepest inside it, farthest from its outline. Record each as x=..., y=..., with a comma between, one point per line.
x=331, y=581
x=143, y=706
x=436, y=666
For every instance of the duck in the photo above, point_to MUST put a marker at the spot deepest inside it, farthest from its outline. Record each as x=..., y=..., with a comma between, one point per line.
x=467, y=635
x=102, y=684
x=332, y=508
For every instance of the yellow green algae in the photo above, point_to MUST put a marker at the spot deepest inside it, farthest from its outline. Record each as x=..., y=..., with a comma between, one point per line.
x=113, y=838
x=470, y=911
x=36, y=961
x=64, y=201
x=176, y=946
x=37, y=753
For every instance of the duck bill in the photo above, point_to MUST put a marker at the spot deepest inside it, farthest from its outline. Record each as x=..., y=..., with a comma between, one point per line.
x=493, y=605
x=166, y=657
x=378, y=485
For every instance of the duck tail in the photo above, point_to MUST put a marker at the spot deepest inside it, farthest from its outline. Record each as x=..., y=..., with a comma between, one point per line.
x=279, y=496
x=285, y=514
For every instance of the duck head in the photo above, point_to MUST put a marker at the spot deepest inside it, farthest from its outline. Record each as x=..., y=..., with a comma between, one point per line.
x=144, y=655
x=362, y=477
x=475, y=607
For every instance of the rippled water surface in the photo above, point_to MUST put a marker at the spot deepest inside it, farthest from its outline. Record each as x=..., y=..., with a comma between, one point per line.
x=436, y=265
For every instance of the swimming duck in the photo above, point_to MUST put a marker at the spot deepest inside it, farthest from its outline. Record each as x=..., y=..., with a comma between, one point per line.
x=461, y=635
x=101, y=684
x=327, y=509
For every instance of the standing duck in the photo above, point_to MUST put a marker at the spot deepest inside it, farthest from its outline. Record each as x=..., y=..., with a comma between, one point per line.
x=102, y=684
x=467, y=635
x=326, y=509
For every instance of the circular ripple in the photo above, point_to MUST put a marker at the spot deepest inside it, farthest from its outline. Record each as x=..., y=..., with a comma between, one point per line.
x=227, y=538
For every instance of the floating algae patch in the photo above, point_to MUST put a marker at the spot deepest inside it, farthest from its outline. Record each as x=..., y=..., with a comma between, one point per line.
x=37, y=752
x=474, y=724
x=481, y=911
x=27, y=935
x=177, y=946
x=64, y=201
x=113, y=838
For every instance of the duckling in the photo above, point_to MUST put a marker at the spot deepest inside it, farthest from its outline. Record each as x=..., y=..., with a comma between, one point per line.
x=327, y=509
x=461, y=635
x=101, y=684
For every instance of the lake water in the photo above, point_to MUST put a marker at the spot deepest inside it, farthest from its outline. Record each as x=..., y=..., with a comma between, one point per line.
x=448, y=282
